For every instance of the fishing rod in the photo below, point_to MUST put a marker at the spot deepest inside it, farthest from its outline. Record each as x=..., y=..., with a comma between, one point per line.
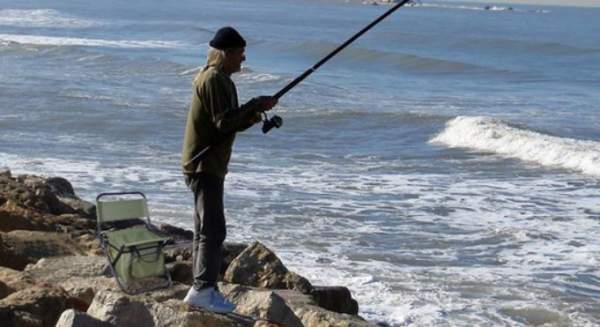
x=277, y=121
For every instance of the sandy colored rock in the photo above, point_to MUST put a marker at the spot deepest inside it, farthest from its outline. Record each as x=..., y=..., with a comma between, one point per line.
x=258, y=266
x=59, y=269
x=264, y=304
x=38, y=305
x=175, y=313
x=15, y=279
x=73, y=318
x=19, y=248
x=311, y=314
x=119, y=310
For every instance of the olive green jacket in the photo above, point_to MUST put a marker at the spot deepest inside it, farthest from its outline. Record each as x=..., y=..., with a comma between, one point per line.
x=213, y=119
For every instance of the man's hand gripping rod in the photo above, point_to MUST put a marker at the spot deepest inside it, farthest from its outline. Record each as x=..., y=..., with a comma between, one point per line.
x=277, y=121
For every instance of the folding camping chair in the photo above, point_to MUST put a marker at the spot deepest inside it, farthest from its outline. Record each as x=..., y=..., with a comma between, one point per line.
x=133, y=249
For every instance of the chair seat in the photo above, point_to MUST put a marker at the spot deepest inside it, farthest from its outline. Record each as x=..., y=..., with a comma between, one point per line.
x=133, y=236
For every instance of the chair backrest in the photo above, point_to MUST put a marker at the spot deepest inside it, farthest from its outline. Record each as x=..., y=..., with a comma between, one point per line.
x=121, y=209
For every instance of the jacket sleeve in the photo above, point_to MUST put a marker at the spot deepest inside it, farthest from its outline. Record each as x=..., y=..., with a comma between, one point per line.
x=226, y=118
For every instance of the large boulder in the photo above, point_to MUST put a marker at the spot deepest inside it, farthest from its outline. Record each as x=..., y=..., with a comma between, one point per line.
x=74, y=318
x=21, y=247
x=5, y=290
x=176, y=233
x=175, y=313
x=264, y=304
x=65, y=194
x=230, y=252
x=15, y=279
x=34, y=306
x=84, y=276
x=120, y=310
x=181, y=271
x=32, y=192
x=13, y=216
x=80, y=276
x=335, y=298
x=52, y=195
x=311, y=314
x=59, y=269
x=258, y=266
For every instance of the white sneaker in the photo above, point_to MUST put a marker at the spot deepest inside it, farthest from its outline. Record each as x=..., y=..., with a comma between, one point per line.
x=209, y=299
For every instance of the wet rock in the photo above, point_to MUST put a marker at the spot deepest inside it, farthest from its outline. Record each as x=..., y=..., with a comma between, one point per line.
x=35, y=306
x=263, y=304
x=258, y=266
x=335, y=298
x=73, y=318
x=20, y=247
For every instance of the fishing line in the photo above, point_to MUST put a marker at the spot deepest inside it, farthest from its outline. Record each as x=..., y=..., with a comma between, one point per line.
x=277, y=121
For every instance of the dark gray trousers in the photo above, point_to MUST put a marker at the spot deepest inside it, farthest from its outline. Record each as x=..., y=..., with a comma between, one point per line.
x=209, y=228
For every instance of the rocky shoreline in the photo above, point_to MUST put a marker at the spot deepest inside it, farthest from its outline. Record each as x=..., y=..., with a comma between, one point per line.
x=53, y=273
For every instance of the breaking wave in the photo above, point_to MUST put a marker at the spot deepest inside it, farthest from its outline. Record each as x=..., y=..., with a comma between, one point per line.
x=71, y=41
x=42, y=18
x=495, y=136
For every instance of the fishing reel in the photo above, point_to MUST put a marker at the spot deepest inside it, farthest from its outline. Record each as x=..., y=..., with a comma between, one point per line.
x=269, y=123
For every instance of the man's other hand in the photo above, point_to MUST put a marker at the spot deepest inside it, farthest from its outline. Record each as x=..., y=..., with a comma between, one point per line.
x=265, y=103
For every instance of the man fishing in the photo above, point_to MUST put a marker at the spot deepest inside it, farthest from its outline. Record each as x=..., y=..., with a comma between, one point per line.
x=213, y=120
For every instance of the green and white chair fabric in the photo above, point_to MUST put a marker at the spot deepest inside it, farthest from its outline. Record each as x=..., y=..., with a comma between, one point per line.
x=134, y=253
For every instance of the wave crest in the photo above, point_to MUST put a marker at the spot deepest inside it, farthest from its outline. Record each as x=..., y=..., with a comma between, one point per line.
x=495, y=136
x=42, y=18
x=72, y=41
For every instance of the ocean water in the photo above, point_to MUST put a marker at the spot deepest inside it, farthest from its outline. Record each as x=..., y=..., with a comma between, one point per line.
x=445, y=167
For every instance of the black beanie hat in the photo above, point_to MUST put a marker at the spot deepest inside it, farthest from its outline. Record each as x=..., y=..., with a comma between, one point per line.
x=227, y=38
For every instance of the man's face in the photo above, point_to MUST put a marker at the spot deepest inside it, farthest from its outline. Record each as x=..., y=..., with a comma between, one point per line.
x=234, y=58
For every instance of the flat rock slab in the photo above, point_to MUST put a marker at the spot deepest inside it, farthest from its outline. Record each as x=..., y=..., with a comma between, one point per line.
x=74, y=318
x=22, y=247
x=34, y=306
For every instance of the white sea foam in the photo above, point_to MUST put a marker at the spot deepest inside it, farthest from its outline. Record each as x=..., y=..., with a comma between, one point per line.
x=495, y=136
x=42, y=18
x=328, y=205
x=72, y=41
